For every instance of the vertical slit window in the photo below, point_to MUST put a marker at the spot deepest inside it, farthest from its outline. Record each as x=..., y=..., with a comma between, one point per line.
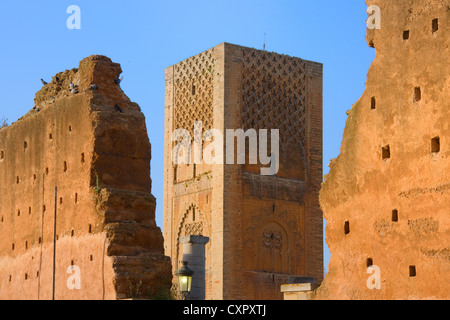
x=435, y=25
x=417, y=94
x=395, y=215
x=386, y=152
x=412, y=271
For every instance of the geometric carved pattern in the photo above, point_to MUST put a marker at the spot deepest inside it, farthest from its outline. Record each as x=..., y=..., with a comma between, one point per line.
x=190, y=226
x=193, y=92
x=274, y=95
x=273, y=240
x=194, y=229
x=192, y=222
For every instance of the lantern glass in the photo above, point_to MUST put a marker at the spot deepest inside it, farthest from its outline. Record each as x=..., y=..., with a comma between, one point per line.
x=184, y=283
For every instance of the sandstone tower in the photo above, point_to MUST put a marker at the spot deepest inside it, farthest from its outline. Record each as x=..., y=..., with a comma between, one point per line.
x=92, y=144
x=263, y=229
x=387, y=197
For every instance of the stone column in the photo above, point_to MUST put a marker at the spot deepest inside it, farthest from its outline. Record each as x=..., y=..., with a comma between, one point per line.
x=300, y=291
x=194, y=254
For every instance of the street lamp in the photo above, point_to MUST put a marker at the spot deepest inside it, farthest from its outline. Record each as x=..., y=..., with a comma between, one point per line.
x=184, y=275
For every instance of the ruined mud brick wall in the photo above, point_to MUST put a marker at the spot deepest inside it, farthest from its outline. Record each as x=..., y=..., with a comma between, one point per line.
x=387, y=197
x=98, y=156
x=263, y=229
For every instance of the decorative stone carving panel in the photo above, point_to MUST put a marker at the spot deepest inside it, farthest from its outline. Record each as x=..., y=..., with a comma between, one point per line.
x=194, y=92
x=274, y=96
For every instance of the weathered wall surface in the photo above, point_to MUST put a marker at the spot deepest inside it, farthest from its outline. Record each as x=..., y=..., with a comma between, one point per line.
x=98, y=157
x=262, y=230
x=387, y=197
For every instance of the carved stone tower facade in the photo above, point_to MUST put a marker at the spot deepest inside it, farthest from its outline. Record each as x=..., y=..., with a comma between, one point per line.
x=263, y=229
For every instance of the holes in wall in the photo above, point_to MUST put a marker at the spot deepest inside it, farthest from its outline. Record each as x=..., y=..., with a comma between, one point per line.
x=435, y=25
x=2, y=155
x=82, y=158
x=46, y=171
x=373, y=103
x=435, y=145
x=395, y=215
x=10, y=278
x=76, y=198
x=369, y=262
x=91, y=258
x=34, y=176
x=70, y=128
x=65, y=166
x=29, y=211
x=406, y=35
x=72, y=233
x=17, y=180
x=25, y=145
x=40, y=240
x=417, y=94
x=72, y=263
x=386, y=152
x=90, y=228
x=18, y=213
x=50, y=136
x=60, y=200
x=273, y=208
x=13, y=247
x=412, y=271
x=26, y=276
x=347, y=227
x=26, y=245
x=44, y=208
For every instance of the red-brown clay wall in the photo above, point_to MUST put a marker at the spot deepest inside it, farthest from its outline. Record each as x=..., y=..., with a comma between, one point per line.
x=99, y=160
x=391, y=209
x=53, y=157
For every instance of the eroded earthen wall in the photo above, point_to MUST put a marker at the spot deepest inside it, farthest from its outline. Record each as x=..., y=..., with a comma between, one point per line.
x=92, y=145
x=387, y=197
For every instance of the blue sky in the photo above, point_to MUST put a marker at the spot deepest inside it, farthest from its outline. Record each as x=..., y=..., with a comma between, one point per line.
x=146, y=36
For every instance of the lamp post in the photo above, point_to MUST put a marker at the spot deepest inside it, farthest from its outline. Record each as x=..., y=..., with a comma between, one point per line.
x=184, y=275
